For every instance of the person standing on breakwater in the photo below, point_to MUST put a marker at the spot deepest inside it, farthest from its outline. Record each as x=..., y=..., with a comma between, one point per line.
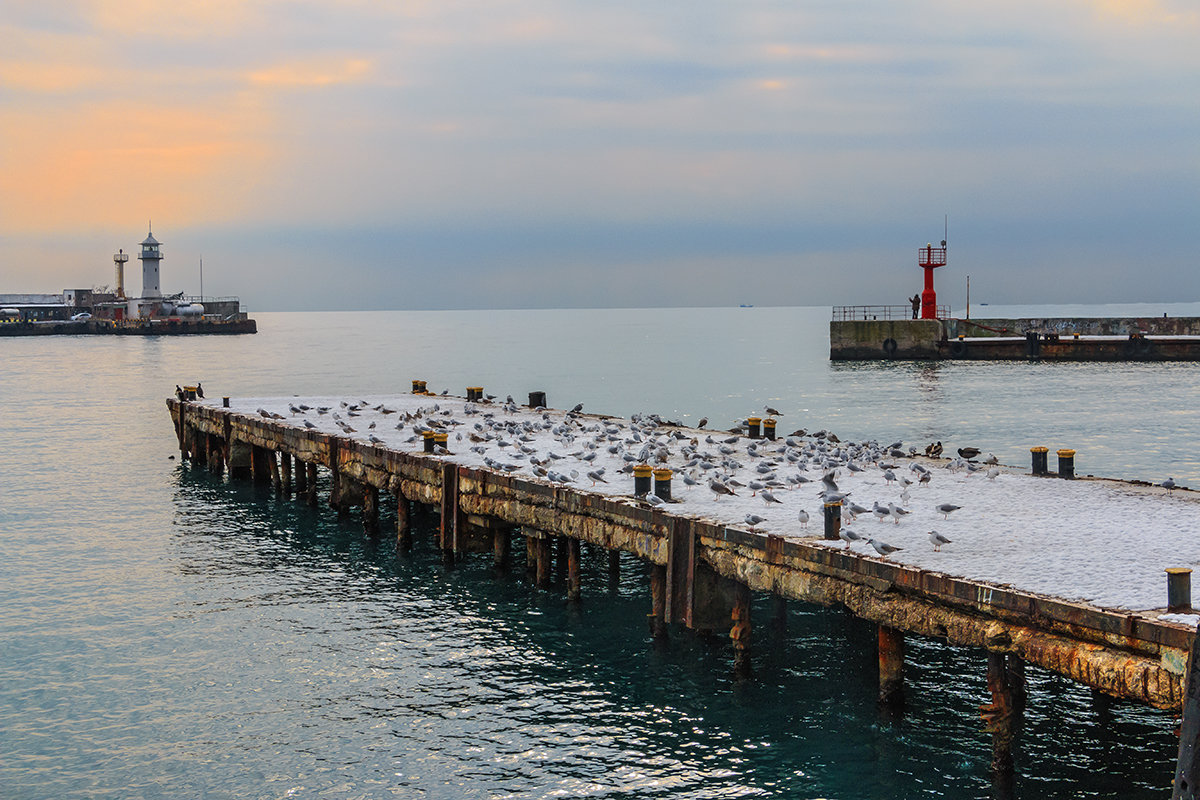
x=916, y=304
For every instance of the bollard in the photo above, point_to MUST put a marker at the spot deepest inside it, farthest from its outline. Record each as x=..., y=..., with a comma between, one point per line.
x=1179, y=589
x=225, y=402
x=768, y=429
x=189, y=392
x=833, y=521
x=428, y=436
x=641, y=480
x=474, y=394
x=662, y=483
x=752, y=429
x=441, y=440
x=537, y=399
x=1066, y=463
x=1040, y=459
x=418, y=387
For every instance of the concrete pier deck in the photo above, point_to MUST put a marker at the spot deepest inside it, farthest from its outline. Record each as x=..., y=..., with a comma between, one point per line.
x=706, y=556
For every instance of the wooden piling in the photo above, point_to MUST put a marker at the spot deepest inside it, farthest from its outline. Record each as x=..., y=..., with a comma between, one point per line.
x=779, y=612
x=739, y=631
x=448, y=525
x=574, y=588
x=658, y=601
x=560, y=558
x=285, y=473
x=531, y=555
x=614, y=566
x=891, y=667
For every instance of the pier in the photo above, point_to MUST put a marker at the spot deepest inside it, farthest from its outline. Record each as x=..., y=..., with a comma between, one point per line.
x=882, y=333
x=702, y=564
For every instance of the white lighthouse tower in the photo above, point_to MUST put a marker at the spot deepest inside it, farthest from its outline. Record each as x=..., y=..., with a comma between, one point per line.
x=150, y=256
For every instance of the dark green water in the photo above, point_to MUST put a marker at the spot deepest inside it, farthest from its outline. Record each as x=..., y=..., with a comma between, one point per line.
x=167, y=634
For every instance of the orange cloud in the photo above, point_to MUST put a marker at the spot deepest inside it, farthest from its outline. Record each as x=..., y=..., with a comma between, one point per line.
x=95, y=166
x=1146, y=12
x=312, y=74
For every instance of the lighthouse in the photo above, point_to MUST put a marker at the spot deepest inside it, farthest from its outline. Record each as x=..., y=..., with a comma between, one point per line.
x=150, y=256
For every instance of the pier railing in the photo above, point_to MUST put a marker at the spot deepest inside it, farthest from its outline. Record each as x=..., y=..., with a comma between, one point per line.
x=850, y=313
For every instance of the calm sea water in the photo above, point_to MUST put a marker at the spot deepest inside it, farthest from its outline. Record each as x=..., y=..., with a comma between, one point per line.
x=167, y=634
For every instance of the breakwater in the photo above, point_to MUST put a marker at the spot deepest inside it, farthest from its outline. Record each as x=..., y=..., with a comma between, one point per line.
x=869, y=336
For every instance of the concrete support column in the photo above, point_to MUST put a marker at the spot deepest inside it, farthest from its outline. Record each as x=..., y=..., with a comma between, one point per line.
x=739, y=631
x=273, y=468
x=501, y=539
x=543, y=561
x=301, y=478
x=999, y=717
x=573, y=583
x=311, y=470
x=241, y=459
x=370, y=510
x=891, y=667
x=658, y=601
x=403, y=523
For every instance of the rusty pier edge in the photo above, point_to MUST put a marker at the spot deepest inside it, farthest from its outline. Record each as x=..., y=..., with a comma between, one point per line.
x=1123, y=654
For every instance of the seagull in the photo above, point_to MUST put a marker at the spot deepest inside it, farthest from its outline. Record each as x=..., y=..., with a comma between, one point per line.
x=772, y=411
x=769, y=498
x=804, y=518
x=719, y=488
x=937, y=540
x=578, y=407
x=993, y=473
x=597, y=476
x=991, y=459
x=754, y=519
x=309, y=425
x=883, y=548
x=947, y=509
x=848, y=536
x=703, y=421
x=1168, y=484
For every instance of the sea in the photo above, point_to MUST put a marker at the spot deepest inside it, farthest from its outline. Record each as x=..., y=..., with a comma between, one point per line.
x=165, y=633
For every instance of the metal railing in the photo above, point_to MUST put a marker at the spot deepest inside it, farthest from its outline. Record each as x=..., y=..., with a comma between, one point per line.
x=850, y=313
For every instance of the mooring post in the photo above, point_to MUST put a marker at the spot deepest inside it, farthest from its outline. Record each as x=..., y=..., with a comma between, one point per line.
x=501, y=539
x=311, y=469
x=1040, y=459
x=1179, y=589
x=543, y=561
x=1187, y=766
x=891, y=667
x=833, y=521
x=1066, y=463
x=573, y=583
x=658, y=600
x=370, y=510
x=999, y=716
x=285, y=472
x=739, y=631
x=403, y=523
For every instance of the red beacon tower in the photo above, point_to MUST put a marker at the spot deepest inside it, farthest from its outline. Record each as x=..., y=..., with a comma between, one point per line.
x=930, y=258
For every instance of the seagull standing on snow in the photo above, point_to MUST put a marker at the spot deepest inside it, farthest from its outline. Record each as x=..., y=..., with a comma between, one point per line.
x=937, y=540
x=883, y=548
x=947, y=509
x=804, y=518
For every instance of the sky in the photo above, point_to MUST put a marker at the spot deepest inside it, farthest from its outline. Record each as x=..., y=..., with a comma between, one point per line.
x=524, y=153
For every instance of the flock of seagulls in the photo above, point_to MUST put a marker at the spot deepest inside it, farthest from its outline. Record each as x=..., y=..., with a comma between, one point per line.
x=793, y=476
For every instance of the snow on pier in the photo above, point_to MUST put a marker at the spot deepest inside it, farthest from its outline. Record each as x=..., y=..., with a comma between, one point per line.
x=1102, y=542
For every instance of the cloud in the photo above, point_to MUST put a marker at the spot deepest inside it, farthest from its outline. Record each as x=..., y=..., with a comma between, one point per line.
x=315, y=73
